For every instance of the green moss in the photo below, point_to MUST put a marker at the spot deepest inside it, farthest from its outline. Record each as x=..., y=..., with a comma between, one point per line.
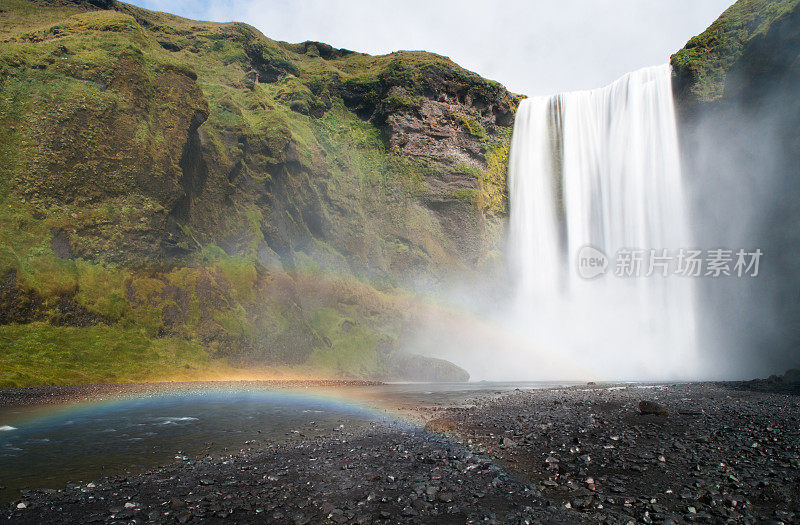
x=234, y=321
x=353, y=349
x=37, y=354
x=493, y=195
x=95, y=119
x=48, y=276
x=466, y=195
x=466, y=169
x=394, y=102
x=102, y=289
x=239, y=272
x=702, y=65
x=472, y=127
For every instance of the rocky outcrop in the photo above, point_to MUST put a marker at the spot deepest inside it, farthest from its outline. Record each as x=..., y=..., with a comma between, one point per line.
x=414, y=367
x=752, y=47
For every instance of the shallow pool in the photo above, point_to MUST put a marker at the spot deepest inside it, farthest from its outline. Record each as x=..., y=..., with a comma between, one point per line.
x=48, y=447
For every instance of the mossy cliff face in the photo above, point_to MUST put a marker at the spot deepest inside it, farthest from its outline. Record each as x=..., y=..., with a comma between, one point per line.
x=187, y=181
x=727, y=50
x=736, y=88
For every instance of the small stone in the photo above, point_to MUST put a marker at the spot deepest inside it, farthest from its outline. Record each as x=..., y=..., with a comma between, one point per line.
x=301, y=519
x=652, y=408
x=440, y=426
x=410, y=511
x=446, y=497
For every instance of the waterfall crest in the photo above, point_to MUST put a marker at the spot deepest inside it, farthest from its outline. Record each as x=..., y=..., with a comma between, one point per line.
x=601, y=168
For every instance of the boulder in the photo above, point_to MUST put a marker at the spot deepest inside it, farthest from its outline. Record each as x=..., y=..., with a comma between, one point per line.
x=652, y=408
x=440, y=426
x=791, y=377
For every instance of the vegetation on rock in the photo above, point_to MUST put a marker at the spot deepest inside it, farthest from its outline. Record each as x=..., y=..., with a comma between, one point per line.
x=703, y=65
x=181, y=193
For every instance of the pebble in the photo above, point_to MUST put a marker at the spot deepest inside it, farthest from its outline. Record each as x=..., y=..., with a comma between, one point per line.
x=700, y=467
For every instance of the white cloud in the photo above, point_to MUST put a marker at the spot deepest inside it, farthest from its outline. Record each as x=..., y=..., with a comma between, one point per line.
x=532, y=47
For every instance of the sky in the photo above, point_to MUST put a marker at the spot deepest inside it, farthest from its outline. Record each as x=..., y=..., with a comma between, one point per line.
x=533, y=47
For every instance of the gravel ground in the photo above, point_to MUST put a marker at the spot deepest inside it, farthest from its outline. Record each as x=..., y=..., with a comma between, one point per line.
x=723, y=453
x=727, y=452
x=389, y=474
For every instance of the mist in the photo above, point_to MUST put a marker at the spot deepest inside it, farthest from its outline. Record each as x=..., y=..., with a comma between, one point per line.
x=596, y=169
x=741, y=163
x=740, y=169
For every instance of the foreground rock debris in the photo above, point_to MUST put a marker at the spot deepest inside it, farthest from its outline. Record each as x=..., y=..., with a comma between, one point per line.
x=727, y=453
x=391, y=474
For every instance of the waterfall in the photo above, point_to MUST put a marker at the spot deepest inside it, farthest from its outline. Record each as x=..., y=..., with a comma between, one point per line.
x=601, y=168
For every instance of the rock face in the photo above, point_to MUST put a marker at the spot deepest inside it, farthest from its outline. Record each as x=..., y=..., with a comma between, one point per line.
x=203, y=182
x=736, y=87
x=750, y=44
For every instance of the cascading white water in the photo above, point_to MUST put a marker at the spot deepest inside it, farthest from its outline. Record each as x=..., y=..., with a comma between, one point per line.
x=601, y=168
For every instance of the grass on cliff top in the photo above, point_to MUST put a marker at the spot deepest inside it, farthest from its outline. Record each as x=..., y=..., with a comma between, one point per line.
x=707, y=57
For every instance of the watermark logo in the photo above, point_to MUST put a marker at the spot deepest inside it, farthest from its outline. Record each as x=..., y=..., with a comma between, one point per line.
x=632, y=263
x=591, y=262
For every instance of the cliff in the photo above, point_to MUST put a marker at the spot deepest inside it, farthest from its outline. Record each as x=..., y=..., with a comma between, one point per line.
x=221, y=197
x=750, y=42
x=736, y=88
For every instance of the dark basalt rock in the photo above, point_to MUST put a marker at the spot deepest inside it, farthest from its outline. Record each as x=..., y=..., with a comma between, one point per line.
x=791, y=377
x=397, y=476
x=318, y=49
x=414, y=367
x=652, y=408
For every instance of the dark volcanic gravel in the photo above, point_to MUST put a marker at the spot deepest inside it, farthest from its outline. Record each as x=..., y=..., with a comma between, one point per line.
x=389, y=474
x=723, y=453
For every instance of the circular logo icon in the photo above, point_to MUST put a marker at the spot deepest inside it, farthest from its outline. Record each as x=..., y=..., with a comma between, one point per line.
x=591, y=262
